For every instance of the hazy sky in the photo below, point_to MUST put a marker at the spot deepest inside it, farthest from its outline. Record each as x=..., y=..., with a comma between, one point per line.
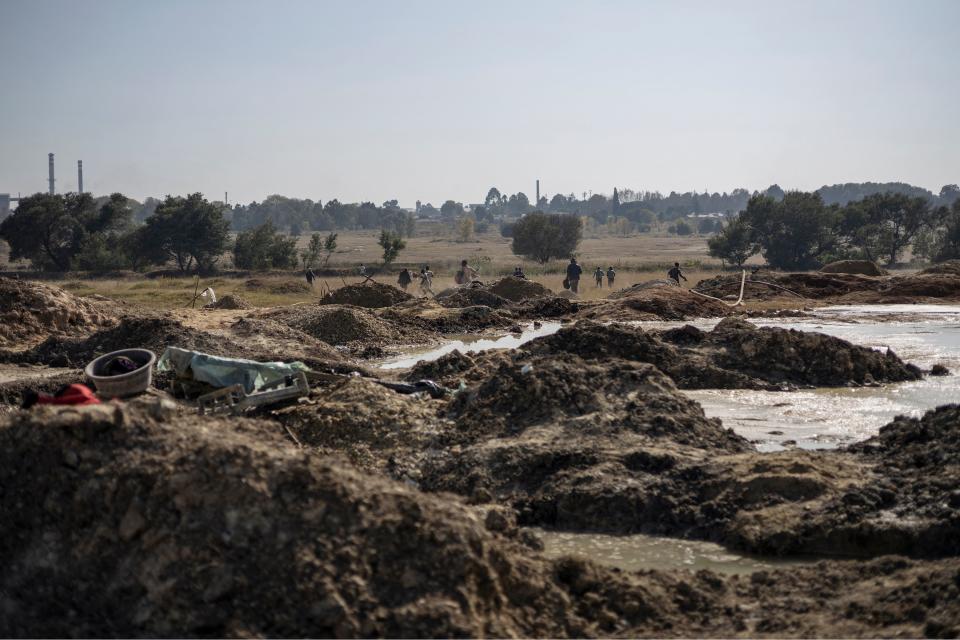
x=434, y=100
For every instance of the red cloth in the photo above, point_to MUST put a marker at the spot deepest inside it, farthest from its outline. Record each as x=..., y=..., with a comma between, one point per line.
x=75, y=394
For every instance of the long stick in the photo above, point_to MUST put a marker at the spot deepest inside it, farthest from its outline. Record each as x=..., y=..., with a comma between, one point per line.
x=195, y=288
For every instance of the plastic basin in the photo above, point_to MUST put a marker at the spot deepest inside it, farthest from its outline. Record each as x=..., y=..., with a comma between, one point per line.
x=124, y=384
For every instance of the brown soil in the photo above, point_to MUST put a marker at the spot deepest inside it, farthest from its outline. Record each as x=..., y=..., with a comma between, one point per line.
x=518, y=289
x=372, y=295
x=231, y=301
x=941, y=285
x=277, y=287
x=347, y=325
x=858, y=267
x=30, y=311
x=654, y=301
x=471, y=297
x=429, y=316
x=221, y=527
x=282, y=341
x=736, y=354
x=455, y=367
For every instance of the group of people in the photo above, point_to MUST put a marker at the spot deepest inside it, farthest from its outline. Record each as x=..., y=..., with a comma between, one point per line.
x=574, y=271
x=425, y=277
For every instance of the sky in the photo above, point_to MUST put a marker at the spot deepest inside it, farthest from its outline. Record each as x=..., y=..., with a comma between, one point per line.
x=430, y=100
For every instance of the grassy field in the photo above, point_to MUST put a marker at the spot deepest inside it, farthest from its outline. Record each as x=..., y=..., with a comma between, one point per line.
x=636, y=258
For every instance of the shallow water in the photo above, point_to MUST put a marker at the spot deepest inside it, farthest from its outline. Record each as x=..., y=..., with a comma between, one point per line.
x=472, y=344
x=653, y=552
x=826, y=418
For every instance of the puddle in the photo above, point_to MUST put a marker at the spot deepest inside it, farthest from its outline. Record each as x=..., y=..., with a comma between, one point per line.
x=473, y=344
x=634, y=552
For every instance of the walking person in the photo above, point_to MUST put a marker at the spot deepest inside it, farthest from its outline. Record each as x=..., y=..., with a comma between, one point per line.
x=426, y=281
x=611, y=276
x=598, y=276
x=310, y=277
x=466, y=274
x=675, y=273
x=405, y=279
x=573, y=274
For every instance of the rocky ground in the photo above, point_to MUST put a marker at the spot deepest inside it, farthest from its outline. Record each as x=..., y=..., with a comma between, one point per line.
x=359, y=510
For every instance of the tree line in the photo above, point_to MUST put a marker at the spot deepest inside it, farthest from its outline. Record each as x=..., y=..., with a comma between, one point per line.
x=801, y=231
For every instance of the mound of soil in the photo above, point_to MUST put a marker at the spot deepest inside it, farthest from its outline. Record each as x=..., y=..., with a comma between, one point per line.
x=518, y=289
x=30, y=310
x=858, y=267
x=546, y=307
x=346, y=325
x=429, y=316
x=284, y=341
x=950, y=267
x=454, y=367
x=375, y=428
x=231, y=301
x=735, y=355
x=471, y=297
x=656, y=301
x=277, y=286
x=153, y=333
x=372, y=295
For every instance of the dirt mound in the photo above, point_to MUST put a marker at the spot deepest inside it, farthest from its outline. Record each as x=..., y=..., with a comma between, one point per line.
x=518, y=289
x=546, y=307
x=454, y=367
x=277, y=286
x=231, y=301
x=736, y=354
x=950, y=267
x=857, y=267
x=283, y=341
x=347, y=325
x=431, y=317
x=220, y=527
x=655, y=301
x=372, y=295
x=376, y=428
x=153, y=333
x=30, y=311
x=471, y=297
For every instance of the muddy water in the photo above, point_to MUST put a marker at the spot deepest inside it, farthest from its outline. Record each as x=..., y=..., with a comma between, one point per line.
x=826, y=418
x=471, y=344
x=653, y=552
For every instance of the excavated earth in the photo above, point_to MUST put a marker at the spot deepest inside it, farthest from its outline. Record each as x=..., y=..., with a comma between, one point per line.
x=372, y=295
x=139, y=521
x=940, y=283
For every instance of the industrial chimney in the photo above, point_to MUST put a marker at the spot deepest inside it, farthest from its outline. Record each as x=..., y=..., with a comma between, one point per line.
x=50, y=162
x=79, y=176
x=537, y=201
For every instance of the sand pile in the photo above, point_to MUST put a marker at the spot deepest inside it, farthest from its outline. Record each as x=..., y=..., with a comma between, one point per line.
x=277, y=286
x=220, y=527
x=454, y=367
x=346, y=325
x=950, y=267
x=283, y=341
x=518, y=289
x=231, y=301
x=735, y=355
x=31, y=311
x=471, y=297
x=153, y=333
x=372, y=295
x=655, y=301
x=858, y=267
x=376, y=428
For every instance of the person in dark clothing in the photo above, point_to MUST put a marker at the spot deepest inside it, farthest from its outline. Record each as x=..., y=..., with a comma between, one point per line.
x=573, y=274
x=405, y=279
x=310, y=277
x=598, y=276
x=675, y=273
x=611, y=276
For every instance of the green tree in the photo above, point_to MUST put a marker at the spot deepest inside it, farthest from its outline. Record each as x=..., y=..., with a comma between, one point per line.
x=948, y=243
x=311, y=254
x=465, y=227
x=543, y=237
x=683, y=228
x=191, y=231
x=51, y=230
x=451, y=209
x=793, y=233
x=264, y=248
x=392, y=245
x=734, y=242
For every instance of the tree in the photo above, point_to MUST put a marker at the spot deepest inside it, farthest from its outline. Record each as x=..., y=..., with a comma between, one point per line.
x=897, y=219
x=451, y=209
x=329, y=246
x=311, y=254
x=948, y=244
x=494, y=199
x=51, y=230
x=392, y=245
x=792, y=233
x=465, y=228
x=264, y=248
x=733, y=243
x=545, y=236
x=189, y=230
x=682, y=228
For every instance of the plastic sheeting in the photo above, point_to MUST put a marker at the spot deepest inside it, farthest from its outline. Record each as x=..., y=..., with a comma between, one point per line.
x=223, y=372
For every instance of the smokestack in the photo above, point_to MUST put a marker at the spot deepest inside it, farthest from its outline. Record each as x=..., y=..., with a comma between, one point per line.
x=537, y=201
x=50, y=162
x=79, y=176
